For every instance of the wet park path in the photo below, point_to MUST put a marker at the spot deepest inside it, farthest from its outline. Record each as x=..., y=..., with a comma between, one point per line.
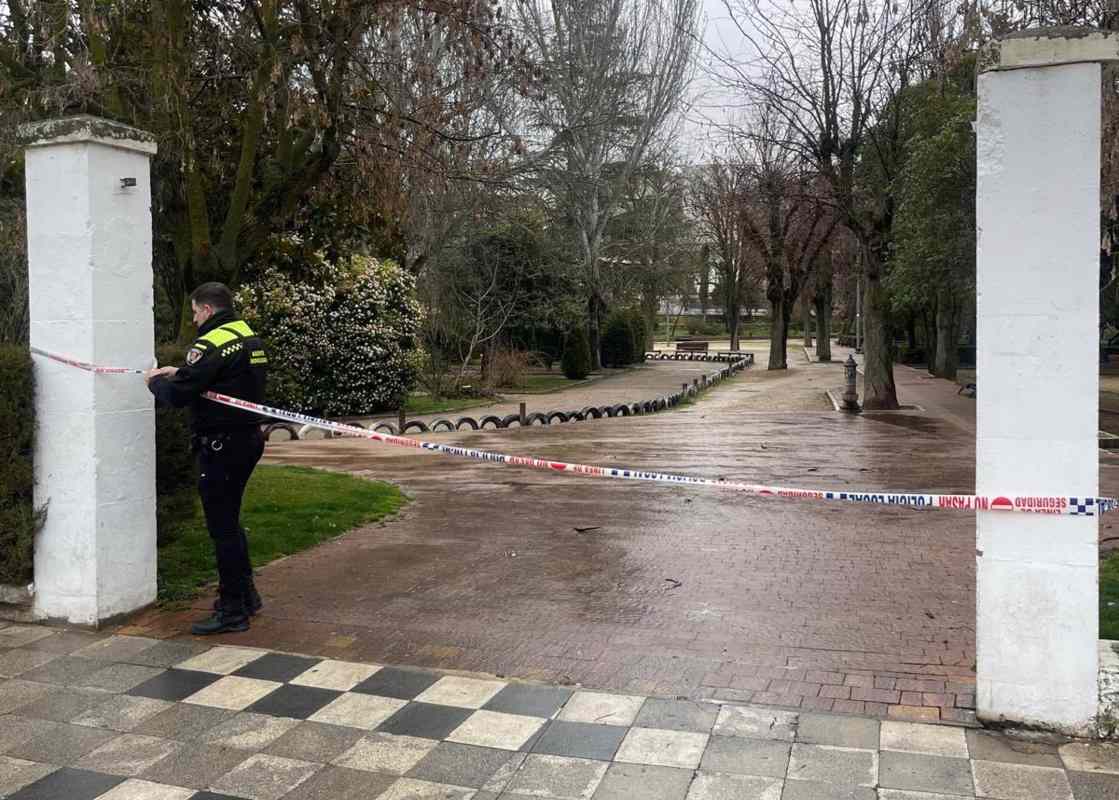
x=665, y=590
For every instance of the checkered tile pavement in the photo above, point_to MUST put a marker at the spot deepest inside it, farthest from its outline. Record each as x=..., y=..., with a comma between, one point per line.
x=85, y=716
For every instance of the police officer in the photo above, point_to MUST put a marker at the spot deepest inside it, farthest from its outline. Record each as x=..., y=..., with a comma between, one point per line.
x=227, y=357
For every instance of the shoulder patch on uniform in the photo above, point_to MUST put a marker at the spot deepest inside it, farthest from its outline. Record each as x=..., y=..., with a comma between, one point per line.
x=193, y=355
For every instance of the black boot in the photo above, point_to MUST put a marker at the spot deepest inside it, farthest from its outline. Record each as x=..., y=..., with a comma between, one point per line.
x=229, y=617
x=253, y=602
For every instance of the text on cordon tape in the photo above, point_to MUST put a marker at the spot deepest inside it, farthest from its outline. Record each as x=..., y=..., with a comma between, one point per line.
x=1067, y=505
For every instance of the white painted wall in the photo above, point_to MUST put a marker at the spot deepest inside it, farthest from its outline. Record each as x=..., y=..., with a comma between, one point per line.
x=89, y=249
x=1038, y=267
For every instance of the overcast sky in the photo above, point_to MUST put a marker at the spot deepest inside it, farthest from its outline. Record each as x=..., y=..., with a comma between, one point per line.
x=713, y=105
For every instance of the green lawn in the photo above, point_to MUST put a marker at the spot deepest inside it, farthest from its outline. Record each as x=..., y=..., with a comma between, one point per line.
x=421, y=404
x=286, y=510
x=1109, y=597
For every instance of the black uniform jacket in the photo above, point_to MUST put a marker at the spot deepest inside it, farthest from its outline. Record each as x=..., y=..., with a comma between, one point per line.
x=227, y=357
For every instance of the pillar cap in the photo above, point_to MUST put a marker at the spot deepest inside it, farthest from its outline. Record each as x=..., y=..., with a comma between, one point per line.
x=86, y=128
x=1049, y=47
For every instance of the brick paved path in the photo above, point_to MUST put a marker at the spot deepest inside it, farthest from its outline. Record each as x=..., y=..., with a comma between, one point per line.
x=859, y=609
x=85, y=716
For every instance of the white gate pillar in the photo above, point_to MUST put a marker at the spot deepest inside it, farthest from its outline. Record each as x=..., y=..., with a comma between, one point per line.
x=1038, y=206
x=89, y=233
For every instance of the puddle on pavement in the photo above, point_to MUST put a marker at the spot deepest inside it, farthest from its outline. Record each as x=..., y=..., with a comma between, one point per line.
x=909, y=423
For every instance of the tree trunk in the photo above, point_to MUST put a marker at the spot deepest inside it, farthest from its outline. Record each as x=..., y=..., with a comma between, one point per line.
x=878, y=367
x=928, y=324
x=822, y=301
x=806, y=307
x=778, y=336
x=947, y=336
x=594, y=330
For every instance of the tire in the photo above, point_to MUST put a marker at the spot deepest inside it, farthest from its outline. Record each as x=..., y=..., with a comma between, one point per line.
x=293, y=434
x=469, y=422
x=490, y=420
x=575, y=416
x=537, y=418
x=591, y=411
x=557, y=417
x=385, y=427
x=620, y=410
x=415, y=425
x=442, y=424
x=510, y=419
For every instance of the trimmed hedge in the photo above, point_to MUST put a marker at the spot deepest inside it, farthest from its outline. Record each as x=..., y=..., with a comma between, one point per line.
x=174, y=463
x=577, y=355
x=19, y=519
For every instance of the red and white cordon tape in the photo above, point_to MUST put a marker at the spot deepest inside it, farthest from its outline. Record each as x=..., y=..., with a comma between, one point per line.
x=1033, y=504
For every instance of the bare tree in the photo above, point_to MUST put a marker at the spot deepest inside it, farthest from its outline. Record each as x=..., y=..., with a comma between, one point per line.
x=616, y=72
x=785, y=220
x=830, y=69
x=719, y=200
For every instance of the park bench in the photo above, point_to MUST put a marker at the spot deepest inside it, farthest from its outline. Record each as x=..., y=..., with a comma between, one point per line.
x=692, y=347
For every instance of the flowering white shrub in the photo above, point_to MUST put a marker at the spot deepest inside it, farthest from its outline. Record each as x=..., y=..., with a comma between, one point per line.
x=342, y=338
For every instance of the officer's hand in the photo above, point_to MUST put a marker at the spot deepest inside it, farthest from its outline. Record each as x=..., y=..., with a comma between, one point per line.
x=168, y=372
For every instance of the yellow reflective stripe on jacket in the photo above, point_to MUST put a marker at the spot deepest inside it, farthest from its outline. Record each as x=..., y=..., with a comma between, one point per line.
x=218, y=337
x=227, y=333
x=240, y=327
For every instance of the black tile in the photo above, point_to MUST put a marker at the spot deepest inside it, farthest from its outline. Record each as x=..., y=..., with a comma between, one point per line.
x=425, y=720
x=580, y=740
x=277, y=667
x=402, y=684
x=68, y=784
x=174, y=684
x=530, y=701
x=461, y=764
x=298, y=702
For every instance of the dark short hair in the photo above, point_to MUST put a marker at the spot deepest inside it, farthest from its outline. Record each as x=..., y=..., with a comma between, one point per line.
x=213, y=294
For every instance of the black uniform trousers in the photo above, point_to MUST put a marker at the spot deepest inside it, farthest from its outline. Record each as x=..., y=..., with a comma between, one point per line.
x=225, y=462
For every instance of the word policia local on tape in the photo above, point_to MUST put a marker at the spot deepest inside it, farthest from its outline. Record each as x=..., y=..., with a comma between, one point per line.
x=1031, y=504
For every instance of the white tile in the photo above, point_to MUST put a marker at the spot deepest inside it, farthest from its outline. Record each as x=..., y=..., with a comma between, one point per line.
x=15, y=773
x=221, y=660
x=135, y=789
x=719, y=786
x=19, y=635
x=128, y=755
x=265, y=777
x=662, y=748
x=462, y=692
x=494, y=729
x=248, y=731
x=602, y=708
x=756, y=723
x=412, y=789
x=557, y=777
x=933, y=740
x=382, y=752
x=364, y=711
x=121, y=713
x=1091, y=756
x=341, y=676
x=233, y=693
x=1003, y=781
